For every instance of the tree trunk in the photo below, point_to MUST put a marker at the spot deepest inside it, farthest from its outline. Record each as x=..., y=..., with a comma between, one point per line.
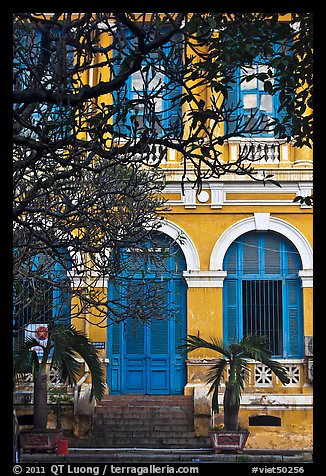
x=40, y=401
x=231, y=411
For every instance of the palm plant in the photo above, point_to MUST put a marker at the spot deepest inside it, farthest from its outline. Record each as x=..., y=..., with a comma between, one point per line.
x=63, y=347
x=236, y=356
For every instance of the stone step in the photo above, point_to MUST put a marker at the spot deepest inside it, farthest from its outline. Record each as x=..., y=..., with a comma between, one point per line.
x=144, y=426
x=142, y=406
x=140, y=432
x=125, y=408
x=144, y=442
x=166, y=399
x=168, y=456
x=145, y=421
x=133, y=413
x=117, y=401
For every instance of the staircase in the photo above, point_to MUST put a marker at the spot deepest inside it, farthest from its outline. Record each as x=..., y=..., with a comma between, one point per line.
x=145, y=421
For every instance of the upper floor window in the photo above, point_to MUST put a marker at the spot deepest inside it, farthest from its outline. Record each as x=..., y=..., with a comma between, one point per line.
x=253, y=107
x=258, y=106
x=41, y=61
x=148, y=103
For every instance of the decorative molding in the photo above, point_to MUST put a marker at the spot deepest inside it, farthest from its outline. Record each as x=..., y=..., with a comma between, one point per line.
x=292, y=183
x=305, y=190
x=269, y=401
x=255, y=140
x=203, y=196
x=189, y=198
x=249, y=224
x=218, y=195
x=284, y=152
x=307, y=279
x=201, y=361
x=263, y=376
x=262, y=221
x=184, y=241
x=204, y=279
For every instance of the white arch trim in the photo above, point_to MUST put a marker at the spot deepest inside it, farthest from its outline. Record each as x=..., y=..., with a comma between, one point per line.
x=184, y=241
x=261, y=221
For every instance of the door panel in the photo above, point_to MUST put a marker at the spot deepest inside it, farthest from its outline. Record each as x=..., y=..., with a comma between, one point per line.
x=158, y=375
x=134, y=347
x=135, y=375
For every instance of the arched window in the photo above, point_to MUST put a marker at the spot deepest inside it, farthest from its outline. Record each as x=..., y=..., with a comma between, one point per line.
x=262, y=292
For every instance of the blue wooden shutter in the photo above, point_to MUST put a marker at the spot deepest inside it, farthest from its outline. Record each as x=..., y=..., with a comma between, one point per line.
x=159, y=329
x=114, y=340
x=294, y=338
x=250, y=254
x=231, y=259
x=159, y=337
x=230, y=103
x=173, y=121
x=231, y=332
x=122, y=96
x=114, y=297
x=272, y=254
x=116, y=331
x=122, y=126
x=174, y=49
x=293, y=261
x=61, y=297
x=180, y=309
x=135, y=336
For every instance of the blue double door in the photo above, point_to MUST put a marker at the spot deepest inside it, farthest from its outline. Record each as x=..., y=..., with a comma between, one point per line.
x=149, y=361
x=145, y=358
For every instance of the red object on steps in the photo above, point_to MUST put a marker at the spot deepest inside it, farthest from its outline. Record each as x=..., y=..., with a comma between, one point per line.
x=62, y=447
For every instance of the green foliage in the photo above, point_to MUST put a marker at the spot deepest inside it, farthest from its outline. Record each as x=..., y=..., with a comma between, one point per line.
x=68, y=344
x=240, y=39
x=25, y=360
x=236, y=356
x=59, y=396
x=304, y=200
x=80, y=146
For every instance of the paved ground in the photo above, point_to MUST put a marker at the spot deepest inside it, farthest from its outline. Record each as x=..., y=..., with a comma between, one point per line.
x=137, y=455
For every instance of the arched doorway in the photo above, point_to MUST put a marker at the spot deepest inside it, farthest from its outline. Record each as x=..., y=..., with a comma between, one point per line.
x=145, y=358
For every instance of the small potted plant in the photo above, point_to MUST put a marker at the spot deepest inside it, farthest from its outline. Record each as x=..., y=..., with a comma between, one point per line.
x=235, y=356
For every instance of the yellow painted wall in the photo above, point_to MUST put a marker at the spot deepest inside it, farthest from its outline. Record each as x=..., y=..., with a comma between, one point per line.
x=295, y=431
x=205, y=313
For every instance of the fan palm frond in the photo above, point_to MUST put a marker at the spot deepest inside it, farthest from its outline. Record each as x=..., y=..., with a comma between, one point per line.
x=68, y=366
x=255, y=347
x=241, y=371
x=64, y=356
x=70, y=342
x=215, y=374
x=24, y=358
x=194, y=342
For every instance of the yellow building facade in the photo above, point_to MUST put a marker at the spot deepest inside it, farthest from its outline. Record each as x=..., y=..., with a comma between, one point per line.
x=210, y=222
x=227, y=213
